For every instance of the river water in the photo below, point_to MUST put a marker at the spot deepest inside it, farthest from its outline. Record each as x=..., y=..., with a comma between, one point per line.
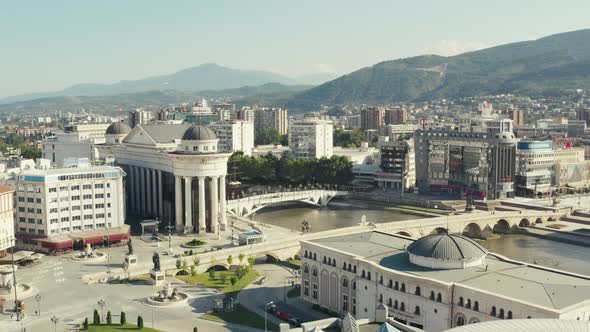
x=526, y=248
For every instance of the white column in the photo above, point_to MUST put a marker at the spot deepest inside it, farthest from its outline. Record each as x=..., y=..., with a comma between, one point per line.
x=178, y=203
x=155, y=190
x=137, y=198
x=142, y=188
x=160, y=197
x=131, y=186
x=214, y=194
x=148, y=191
x=222, y=208
x=202, y=222
x=188, y=207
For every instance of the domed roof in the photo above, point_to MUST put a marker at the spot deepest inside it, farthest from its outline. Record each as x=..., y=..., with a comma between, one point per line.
x=447, y=247
x=118, y=128
x=198, y=133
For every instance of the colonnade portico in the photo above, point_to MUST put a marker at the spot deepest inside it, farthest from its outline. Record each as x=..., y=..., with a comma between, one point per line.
x=185, y=222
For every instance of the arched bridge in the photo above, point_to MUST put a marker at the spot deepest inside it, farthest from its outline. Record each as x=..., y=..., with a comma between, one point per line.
x=246, y=206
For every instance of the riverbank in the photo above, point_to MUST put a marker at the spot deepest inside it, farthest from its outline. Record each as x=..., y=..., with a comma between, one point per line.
x=373, y=204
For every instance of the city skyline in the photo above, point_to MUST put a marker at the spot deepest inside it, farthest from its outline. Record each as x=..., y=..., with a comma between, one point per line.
x=132, y=41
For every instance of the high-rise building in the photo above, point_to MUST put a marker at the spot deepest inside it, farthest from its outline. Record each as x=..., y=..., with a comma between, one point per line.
x=584, y=114
x=517, y=116
x=6, y=219
x=139, y=116
x=311, y=137
x=272, y=118
x=371, y=118
x=245, y=114
x=58, y=207
x=397, y=163
x=235, y=136
x=535, y=167
x=395, y=116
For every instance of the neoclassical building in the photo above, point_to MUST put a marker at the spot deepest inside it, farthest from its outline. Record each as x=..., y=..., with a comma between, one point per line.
x=434, y=283
x=174, y=173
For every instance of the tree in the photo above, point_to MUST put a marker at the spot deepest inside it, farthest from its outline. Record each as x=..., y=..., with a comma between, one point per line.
x=197, y=261
x=193, y=271
x=184, y=265
x=109, y=318
x=211, y=274
x=230, y=260
x=96, y=318
x=30, y=152
x=348, y=138
x=251, y=261
x=267, y=136
x=123, y=320
x=233, y=280
x=85, y=324
x=241, y=258
x=139, y=322
x=223, y=278
x=284, y=140
x=178, y=263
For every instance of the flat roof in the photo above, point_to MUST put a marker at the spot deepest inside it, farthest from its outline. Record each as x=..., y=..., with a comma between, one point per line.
x=533, y=284
x=69, y=170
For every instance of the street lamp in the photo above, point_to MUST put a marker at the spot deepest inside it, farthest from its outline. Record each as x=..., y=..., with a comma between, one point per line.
x=38, y=299
x=54, y=320
x=16, y=311
x=169, y=228
x=101, y=303
x=265, y=308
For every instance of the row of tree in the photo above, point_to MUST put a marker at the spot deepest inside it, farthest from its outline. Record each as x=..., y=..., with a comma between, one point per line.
x=287, y=170
x=270, y=136
x=348, y=138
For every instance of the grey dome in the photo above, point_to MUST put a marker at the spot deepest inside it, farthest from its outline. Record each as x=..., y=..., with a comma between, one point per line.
x=118, y=128
x=447, y=247
x=198, y=133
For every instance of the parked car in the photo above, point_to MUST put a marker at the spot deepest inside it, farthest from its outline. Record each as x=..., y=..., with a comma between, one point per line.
x=271, y=308
x=282, y=315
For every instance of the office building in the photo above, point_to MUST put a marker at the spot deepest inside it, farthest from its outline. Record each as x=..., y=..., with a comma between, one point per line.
x=517, y=116
x=371, y=118
x=311, y=137
x=139, y=117
x=535, y=167
x=62, y=207
x=67, y=148
x=272, y=118
x=395, y=116
x=245, y=114
x=434, y=283
x=397, y=163
x=6, y=219
x=235, y=136
x=584, y=115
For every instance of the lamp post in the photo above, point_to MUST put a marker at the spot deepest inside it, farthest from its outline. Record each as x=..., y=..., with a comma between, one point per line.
x=265, y=308
x=169, y=228
x=54, y=320
x=16, y=309
x=101, y=303
x=38, y=299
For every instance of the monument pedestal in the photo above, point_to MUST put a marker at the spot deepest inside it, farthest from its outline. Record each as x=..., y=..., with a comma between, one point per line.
x=130, y=261
x=157, y=277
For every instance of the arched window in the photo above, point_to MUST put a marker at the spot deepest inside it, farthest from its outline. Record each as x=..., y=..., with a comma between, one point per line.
x=345, y=282
x=349, y=267
x=329, y=261
x=354, y=285
x=396, y=287
x=305, y=269
x=315, y=257
x=509, y=316
x=389, y=302
x=314, y=272
x=501, y=315
x=395, y=306
x=369, y=275
x=468, y=305
x=305, y=254
x=381, y=280
x=403, y=287
x=380, y=298
x=390, y=283
x=354, y=269
x=418, y=292
x=460, y=321
x=461, y=301
x=324, y=260
x=476, y=306
x=344, y=265
x=493, y=313
x=402, y=307
x=432, y=295
x=363, y=274
x=417, y=310
x=334, y=262
x=439, y=297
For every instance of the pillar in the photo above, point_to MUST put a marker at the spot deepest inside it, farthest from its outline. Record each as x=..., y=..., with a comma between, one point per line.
x=214, y=194
x=155, y=191
x=148, y=191
x=137, y=198
x=202, y=222
x=160, y=197
x=131, y=186
x=178, y=203
x=222, y=208
x=142, y=189
x=188, y=207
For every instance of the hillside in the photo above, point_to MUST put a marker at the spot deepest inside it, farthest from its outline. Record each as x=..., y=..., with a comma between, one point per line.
x=547, y=66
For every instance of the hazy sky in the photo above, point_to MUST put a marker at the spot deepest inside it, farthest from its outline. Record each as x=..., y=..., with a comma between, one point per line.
x=48, y=45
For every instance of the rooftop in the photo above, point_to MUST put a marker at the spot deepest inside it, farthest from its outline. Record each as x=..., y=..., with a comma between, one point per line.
x=533, y=284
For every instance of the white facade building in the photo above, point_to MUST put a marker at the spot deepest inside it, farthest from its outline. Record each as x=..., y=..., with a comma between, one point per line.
x=311, y=138
x=64, y=146
x=235, y=136
x=6, y=219
x=434, y=283
x=54, y=203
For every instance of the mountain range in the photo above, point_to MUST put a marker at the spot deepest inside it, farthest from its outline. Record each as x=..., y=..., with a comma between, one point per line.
x=208, y=76
x=547, y=66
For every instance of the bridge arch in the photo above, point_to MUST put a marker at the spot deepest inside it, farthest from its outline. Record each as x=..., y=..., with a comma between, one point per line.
x=217, y=266
x=472, y=230
x=438, y=230
x=502, y=226
x=539, y=220
x=182, y=272
x=404, y=233
x=524, y=223
x=551, y=219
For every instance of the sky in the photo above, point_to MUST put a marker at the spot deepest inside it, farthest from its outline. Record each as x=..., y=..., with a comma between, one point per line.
x=49, y=45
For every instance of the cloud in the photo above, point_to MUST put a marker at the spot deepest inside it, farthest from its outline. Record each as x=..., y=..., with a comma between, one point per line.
x=454, y=47
x=323, y=68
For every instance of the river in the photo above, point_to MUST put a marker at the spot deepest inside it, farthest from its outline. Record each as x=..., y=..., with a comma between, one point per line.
x=526, y=248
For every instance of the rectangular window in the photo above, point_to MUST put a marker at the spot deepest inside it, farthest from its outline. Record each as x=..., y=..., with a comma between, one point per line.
x=99, y=196
x=76, y=187
x=99, y=206
x=65, y=208
x=87, y=206
x=98, y=186
x=76, y=208
x=75, y=198
x=38, y=200
x=39, y=221
x=64, y=219
x=53, y=210
x=314, y=291
x=21, y=199
x=53, y=190
x=87, y=186
x=22, y=219
x=21, y=209
x=53, y=221
x=39, y=211
x=100, y=216
x=31, y=210
x=75, y=217
x=87, y=197
x=306, y=288
x=30, y=199
x=31, y=220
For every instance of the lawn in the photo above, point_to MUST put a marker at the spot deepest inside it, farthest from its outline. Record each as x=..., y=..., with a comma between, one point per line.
x=295, y=262
x=241, y=316
x=204, y=279
x=117, y=327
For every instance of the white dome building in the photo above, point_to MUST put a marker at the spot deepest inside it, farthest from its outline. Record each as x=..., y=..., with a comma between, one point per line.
x=446, y=251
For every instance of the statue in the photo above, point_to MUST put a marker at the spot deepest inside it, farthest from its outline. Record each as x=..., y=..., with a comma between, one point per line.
x=156, y=260
x=130, y=246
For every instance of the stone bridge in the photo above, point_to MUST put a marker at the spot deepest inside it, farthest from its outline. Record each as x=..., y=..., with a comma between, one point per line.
x=478, y=225
x=246, y=206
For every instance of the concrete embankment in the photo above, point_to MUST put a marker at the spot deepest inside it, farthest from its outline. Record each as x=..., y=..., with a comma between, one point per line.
x=561, y=236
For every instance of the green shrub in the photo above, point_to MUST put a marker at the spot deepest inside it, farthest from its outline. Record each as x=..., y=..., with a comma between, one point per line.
x=85, y=324
x=193, y=271
x=211, y=274
x=233, y=280
x=109, y=318
x=139, y=322
x=230, y=259
x=178, y=263
x=96, y=318
x=123, y=320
